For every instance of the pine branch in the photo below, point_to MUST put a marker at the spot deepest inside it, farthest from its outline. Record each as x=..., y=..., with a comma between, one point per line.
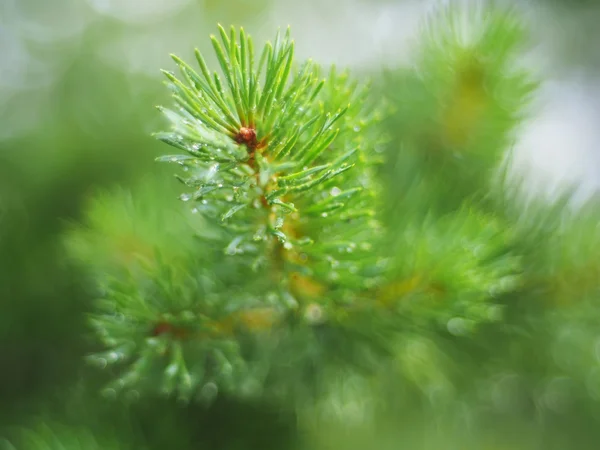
x=293, y=268
x=279, y=164
x=461, y=103
x=278, y=167
x=463, y=260
x=260, y=141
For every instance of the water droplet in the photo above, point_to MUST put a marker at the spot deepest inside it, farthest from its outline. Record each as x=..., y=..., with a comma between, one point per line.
x=194, y=210
x=314, y=314
x=333, y=262
x=233, y=248
x=287, y=246
x=100, y=362
x=185, y=197
x=457, y=326
x=324, y=214
x=229, y=198
x=109, y=393
x=220, y=185
x=186, y=380
x=171, y=370
x=212, y=171
x=335, y=191
x=272, y=298
x=204, y=202
x=227, y=369
x=357, y=128
x=133, y=395
x=209, y=391
x=185, y=168
x=174, y=159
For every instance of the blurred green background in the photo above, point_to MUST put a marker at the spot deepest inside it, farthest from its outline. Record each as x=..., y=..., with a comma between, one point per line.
x=78, y=82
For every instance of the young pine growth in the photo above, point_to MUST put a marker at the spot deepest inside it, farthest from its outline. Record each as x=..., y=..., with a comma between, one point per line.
x=293, y=275
x=269, y=146
x=277, y=161
x=280, y=158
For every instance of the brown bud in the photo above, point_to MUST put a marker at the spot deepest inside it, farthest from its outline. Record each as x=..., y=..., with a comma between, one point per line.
x=247, y=136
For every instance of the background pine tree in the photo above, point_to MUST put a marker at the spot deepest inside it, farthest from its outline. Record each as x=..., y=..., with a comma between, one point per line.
x=350, y=263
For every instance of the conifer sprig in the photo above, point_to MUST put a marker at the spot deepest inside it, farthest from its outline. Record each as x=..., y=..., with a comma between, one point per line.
x=256, y=140
x=291, y=271
x=262, y=106
x=285, y=162
x=280, y=173
x=461, y=103
x=287, y=169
